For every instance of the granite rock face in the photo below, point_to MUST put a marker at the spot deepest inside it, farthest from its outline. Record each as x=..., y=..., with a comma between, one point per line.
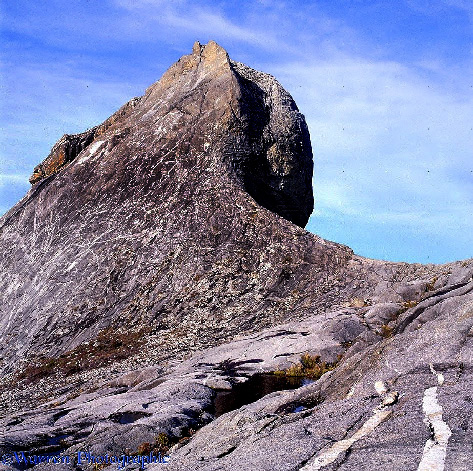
x=70, y=146
x=160, y=259
x=396, y=403
x=125, y=219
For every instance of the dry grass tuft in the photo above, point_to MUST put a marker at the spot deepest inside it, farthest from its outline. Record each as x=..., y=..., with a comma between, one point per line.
x=309, y=366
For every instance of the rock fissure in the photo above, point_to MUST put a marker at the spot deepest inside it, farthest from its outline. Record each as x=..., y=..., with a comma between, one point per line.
x=432, y=300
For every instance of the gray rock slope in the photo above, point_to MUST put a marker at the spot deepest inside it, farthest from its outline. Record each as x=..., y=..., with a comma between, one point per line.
x=128, y=224
x=159, y=259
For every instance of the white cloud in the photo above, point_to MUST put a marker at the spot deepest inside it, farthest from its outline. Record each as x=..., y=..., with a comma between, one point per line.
x=205, y=22
x=189, y=18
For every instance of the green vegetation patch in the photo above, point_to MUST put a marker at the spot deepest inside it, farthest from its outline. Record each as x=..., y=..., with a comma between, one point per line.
x=309, y=366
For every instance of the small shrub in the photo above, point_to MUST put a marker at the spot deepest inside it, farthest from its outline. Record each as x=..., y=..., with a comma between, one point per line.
x=386, y=331
x=309, y=366
x=407, y=305
x=145, y=448
x=431, y=285
x=309, y=362
x=161, y=445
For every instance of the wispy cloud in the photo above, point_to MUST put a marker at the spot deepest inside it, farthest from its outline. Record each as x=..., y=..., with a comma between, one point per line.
x=437, y=6
x=43, y=102
x=390, y=145
x=6, y=179
x=191, y=19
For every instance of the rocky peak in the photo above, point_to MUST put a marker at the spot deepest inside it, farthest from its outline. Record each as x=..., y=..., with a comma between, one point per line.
x=263, y=137
x=239, y=117
x=181, y=177
x=166, y=233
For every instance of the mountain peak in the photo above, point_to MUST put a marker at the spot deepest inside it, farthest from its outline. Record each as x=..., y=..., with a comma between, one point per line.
x=239, y=118
x=210, y=51
x=169, y=229
x=214, y=155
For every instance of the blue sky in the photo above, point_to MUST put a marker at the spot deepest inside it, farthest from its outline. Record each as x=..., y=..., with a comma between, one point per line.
x=386, y=88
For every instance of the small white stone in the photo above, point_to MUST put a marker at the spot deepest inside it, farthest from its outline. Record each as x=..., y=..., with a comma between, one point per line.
x=390, y=398
x=380, y=387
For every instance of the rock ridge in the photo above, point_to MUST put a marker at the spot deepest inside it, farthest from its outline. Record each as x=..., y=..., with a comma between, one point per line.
x=71, y=145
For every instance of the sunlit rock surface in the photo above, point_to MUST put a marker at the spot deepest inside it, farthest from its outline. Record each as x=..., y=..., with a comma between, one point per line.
x=161, y=256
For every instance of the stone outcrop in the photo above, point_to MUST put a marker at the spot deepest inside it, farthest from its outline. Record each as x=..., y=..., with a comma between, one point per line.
x=71, y=145
x=162, y=186
x=395, y=403
x=160, y=257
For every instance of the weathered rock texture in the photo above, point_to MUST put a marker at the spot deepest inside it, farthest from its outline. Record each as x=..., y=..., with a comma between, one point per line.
x=161, y=256
x=130, y=222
